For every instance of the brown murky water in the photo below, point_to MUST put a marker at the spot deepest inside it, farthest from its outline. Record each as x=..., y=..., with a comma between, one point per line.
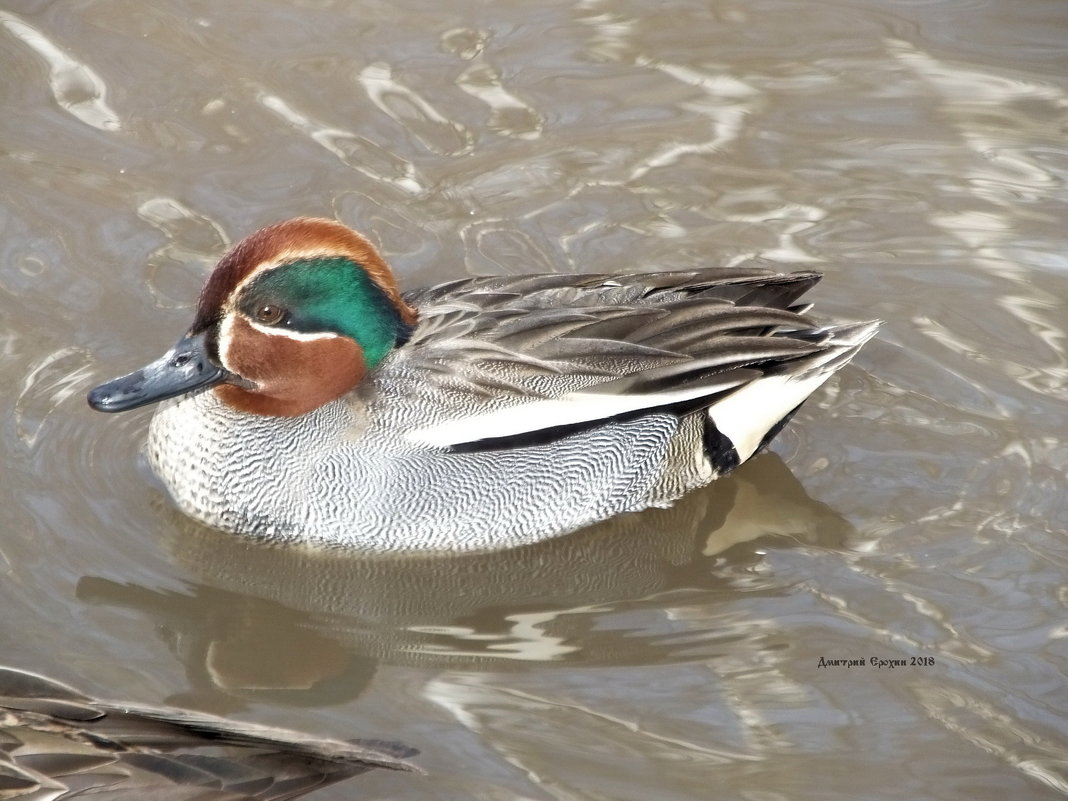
x=915, y=510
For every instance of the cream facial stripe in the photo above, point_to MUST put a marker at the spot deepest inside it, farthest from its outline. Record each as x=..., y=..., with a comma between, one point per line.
x=226, y=338
x=300, y=336
x=280, y=259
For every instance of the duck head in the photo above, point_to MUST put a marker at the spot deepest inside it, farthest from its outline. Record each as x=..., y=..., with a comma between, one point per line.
x=291, y=318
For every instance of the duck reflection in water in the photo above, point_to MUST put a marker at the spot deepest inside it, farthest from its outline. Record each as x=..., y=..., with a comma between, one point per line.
x=335, y=614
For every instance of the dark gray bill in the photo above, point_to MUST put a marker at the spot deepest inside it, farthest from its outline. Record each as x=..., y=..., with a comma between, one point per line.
x=182, y=369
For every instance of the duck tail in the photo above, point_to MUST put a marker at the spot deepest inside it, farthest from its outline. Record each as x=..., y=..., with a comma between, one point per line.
x=744, y=421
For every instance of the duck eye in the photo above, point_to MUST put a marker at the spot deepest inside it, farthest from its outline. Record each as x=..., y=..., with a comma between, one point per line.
x=269, y=314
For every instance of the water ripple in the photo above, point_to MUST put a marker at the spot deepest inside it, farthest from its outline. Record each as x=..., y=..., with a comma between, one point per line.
x=192, y=239
x=363, y=155
x=510, y=116
x=999, y=732
x=76, y=86
x=982, y=105
x=54, y=378
x=413, y=112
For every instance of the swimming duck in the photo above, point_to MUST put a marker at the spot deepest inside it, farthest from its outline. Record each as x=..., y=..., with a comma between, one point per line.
x=311, y=400
x=56, y=743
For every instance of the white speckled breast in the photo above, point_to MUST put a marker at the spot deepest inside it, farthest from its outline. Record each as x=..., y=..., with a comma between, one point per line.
x=344, y=476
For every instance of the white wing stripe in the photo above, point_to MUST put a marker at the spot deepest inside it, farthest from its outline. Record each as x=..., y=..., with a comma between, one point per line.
x=570, y=409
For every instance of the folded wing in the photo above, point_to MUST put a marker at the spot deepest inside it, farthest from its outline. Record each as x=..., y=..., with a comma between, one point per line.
x=532, y=356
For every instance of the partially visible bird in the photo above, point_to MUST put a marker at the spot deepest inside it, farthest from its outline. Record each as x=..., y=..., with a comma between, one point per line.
x=56, y=743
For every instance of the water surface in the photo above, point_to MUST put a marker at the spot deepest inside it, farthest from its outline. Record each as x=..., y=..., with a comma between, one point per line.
x=915, y=510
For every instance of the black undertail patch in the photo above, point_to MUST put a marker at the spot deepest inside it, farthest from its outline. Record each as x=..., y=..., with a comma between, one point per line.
x=719, y=448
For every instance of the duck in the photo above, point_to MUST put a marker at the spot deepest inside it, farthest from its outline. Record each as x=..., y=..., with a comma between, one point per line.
x=59, y=743
x=312, y=401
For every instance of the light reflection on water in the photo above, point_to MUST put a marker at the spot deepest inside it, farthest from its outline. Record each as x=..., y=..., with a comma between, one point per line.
x=914, y=152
